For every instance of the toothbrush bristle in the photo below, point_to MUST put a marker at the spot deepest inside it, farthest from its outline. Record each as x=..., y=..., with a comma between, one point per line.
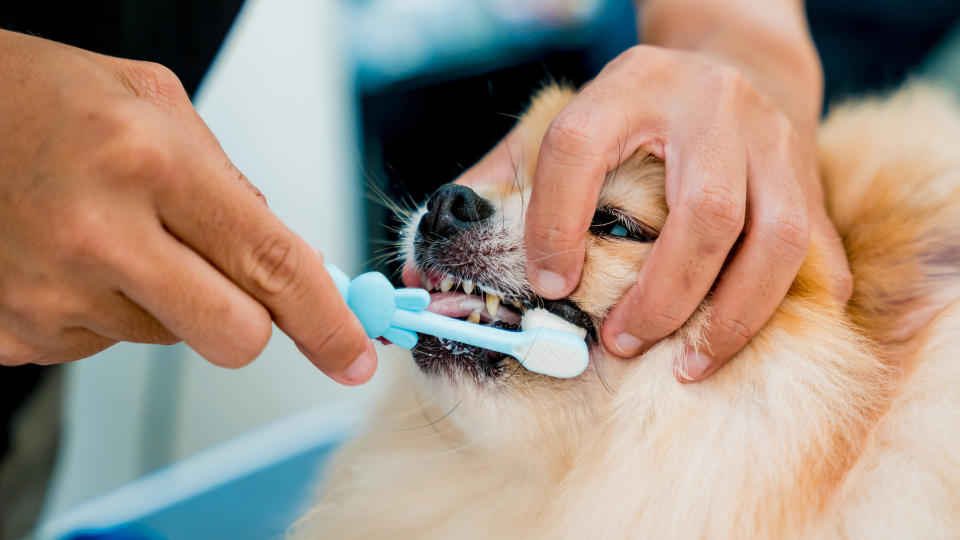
x=558, y=348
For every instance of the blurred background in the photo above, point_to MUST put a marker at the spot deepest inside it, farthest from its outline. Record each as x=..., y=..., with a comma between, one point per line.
x=321, y=103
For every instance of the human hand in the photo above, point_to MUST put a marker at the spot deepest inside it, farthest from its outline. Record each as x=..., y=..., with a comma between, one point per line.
x=735, y=164
x=121, y=219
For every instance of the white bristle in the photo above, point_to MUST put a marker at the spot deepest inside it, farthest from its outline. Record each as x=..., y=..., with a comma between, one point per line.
x=541, y=318
x=557, y=355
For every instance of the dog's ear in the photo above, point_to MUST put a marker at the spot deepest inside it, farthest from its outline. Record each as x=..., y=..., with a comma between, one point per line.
x=545, y=105
x=892, y=185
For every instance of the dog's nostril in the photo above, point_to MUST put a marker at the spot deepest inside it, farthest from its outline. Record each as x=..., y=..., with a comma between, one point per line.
x=453, y=209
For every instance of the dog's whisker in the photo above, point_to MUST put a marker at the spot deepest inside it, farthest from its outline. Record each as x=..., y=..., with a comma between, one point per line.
x=460, y=448
x=430, y=422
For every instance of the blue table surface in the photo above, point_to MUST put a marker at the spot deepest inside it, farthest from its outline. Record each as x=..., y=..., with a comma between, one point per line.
x=253, y=487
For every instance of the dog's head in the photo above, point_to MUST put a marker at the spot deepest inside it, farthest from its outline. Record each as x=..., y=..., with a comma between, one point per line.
x=466, y=244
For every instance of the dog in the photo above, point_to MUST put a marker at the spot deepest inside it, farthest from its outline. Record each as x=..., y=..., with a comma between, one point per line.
x=836, y=420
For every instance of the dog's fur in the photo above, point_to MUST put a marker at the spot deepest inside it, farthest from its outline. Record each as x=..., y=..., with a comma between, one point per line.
x=834, y=421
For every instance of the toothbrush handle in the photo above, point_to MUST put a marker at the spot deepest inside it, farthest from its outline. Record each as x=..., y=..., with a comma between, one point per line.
x=426, y=322
x=374, y=301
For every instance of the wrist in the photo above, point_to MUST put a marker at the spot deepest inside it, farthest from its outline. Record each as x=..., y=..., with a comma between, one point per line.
x=766, y=40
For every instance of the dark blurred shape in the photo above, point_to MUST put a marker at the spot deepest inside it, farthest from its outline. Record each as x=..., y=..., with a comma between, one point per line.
x=424, y=129
x=30, y=403
x=182, y=35
x=873, y=46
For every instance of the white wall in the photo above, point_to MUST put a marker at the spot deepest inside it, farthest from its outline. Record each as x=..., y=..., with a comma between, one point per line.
x=280, y=101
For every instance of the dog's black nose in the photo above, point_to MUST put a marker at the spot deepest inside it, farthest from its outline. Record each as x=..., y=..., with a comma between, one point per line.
x=453, y=209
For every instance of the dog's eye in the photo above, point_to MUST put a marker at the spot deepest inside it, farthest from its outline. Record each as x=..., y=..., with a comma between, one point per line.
x=612, y=223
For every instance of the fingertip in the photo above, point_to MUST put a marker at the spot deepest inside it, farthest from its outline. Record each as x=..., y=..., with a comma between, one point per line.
x=694, y=366
x=620, y=341
x=361, y=369
x=549, y=283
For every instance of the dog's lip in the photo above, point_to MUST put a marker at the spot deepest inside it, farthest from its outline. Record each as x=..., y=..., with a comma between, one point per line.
x=409, y=275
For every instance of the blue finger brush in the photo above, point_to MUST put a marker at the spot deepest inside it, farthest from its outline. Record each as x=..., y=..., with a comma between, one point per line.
x=545, y=344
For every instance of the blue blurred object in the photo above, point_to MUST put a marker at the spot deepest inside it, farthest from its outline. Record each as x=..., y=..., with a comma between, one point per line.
x=253, y=487
x=395, y=40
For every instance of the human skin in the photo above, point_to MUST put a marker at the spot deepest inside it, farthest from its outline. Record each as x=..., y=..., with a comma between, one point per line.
x=728, y=93
x=121, y=219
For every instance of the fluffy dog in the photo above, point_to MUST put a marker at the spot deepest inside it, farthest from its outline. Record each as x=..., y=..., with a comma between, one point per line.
x=834, y=421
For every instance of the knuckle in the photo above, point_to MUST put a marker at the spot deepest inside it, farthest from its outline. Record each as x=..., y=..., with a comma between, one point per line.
x=154, y=81
x=275, y=266
x=785, y=136
x=667, y=317
x=14, y=352
x=90, y=238
x=549, y=239
x=639, y=53
x=790, y=234
x=36, y=308
x=727, y=83
x=716, y=211
x=131, y=151
x=143, y=158
x=10, y=358
x=568, y=135
x=729, y=326
x=649, y=56
x=332, y=348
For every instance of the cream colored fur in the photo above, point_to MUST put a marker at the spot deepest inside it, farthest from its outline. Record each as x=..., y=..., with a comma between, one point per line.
x=834, y=422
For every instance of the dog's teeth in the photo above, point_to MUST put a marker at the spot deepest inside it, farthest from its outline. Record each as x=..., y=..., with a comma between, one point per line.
x=424, y=282
x=515, y=303
x=493, y=302
x=446, y=284
x=467, y=286
x=474, y=317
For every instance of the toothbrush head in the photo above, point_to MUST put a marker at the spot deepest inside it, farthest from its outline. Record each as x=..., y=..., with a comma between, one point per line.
x=556, y=348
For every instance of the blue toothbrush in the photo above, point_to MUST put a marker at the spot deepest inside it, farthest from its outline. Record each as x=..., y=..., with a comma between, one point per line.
x=546, y=344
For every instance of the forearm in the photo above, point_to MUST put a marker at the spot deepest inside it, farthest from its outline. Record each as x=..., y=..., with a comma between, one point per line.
x=767, y=40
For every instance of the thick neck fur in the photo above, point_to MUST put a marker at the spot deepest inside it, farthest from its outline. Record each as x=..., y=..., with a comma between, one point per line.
x=756, y=451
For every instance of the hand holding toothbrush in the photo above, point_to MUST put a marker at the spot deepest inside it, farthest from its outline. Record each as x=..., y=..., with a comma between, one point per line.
x=121, y=219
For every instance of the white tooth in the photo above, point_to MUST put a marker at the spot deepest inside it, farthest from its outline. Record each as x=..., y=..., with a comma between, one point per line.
x=467, y=286
x=493, y=302
x=474, y=317
x=446, y=284
x=424, y=281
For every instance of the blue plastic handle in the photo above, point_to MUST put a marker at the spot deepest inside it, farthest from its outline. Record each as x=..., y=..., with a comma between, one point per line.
x=374, y=300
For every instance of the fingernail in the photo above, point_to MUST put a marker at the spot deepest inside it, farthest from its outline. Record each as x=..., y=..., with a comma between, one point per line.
x=551, y=283
x=361, y=369
x=694, y=366
x=627, y=344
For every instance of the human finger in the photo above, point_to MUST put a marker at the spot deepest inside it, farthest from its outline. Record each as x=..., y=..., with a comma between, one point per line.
x=707, y=209
x=220, y=219
x=117, y=317
x=582, y=143
x=195, y=302
x=756, y=279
